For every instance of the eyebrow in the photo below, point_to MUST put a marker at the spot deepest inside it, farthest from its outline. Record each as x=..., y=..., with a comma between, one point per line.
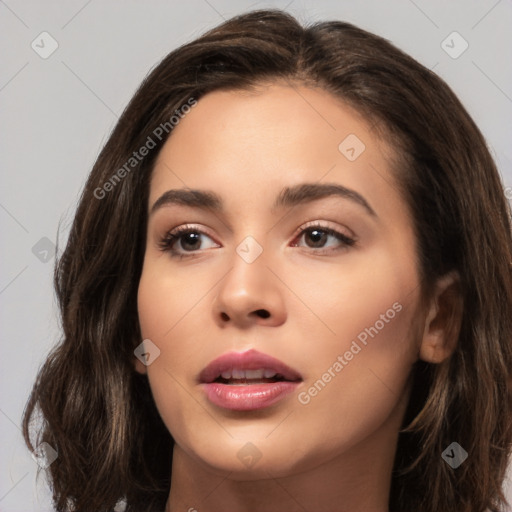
x=288, y=197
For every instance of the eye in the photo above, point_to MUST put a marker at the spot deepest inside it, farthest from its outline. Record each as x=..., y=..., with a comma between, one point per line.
x=317, y=236
x=186, y=239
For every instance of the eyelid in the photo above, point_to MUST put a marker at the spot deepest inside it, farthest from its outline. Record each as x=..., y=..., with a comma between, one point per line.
x=191, y=227
x=343, y=230
x=344, y=235
x=176, y=232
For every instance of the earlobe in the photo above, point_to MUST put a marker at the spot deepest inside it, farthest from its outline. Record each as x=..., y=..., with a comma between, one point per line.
x=443, y=320
x=139, y=367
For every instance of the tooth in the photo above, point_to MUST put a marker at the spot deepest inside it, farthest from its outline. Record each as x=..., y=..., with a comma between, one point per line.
x=237, y=374
x=254, y=374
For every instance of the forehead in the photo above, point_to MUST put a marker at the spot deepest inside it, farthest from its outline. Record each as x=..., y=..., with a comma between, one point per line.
x=275, y=115
x=245, y=143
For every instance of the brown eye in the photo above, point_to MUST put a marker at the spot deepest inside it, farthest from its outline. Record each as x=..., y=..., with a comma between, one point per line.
x=319, y=237
x=189, y=241
x=186, y=240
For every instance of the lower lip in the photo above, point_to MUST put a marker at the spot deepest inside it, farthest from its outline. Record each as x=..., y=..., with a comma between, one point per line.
x=248, y=397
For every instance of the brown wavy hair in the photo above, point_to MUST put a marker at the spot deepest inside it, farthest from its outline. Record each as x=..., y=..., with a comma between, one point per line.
x=98, y=412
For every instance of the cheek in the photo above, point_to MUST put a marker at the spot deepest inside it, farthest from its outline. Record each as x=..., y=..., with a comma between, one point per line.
x=165, y=300
x=355, y=391
x=164, y=306
x=365, y=350
x=168, y=311
x=368, y=296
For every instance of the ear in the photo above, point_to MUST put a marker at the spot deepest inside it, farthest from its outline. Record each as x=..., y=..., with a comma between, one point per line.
x=443, y=320
x=139, y=367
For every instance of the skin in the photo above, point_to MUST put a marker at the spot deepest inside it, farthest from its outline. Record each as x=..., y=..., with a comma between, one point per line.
x=335, y=452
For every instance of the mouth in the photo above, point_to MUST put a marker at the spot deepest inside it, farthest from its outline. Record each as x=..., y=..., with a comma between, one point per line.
x=248, y=380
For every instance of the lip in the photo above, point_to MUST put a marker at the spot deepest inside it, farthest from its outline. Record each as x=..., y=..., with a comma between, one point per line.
x=247, y=397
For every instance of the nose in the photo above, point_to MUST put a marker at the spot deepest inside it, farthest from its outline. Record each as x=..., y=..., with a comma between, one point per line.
x=249, y=294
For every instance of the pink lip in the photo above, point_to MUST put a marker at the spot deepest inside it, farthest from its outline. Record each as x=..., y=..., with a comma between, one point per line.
x=248, y=396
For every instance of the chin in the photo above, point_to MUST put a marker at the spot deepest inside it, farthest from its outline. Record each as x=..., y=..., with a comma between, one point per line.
x=254, y=459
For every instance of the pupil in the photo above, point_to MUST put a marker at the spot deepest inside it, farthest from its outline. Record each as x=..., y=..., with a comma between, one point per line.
x=318, y=237
x=190, y=239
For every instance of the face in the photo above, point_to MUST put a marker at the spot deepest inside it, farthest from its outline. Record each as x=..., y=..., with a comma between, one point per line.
x=294, y=262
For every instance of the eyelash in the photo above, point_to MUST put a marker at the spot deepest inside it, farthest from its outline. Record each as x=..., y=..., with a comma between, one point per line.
x=167, y=242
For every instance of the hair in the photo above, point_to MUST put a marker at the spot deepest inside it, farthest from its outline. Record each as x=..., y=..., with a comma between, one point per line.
x=99, y=413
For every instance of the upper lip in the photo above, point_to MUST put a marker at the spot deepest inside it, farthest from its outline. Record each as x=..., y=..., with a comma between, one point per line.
x=249, y=360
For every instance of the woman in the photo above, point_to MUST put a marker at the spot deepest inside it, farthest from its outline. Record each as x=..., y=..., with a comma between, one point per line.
x=288, y=286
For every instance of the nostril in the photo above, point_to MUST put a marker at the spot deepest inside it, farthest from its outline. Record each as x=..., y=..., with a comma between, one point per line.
x=224, y=316
x=263, y=313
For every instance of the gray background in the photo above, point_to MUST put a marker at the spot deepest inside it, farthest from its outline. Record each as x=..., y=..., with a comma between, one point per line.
x=57, y=113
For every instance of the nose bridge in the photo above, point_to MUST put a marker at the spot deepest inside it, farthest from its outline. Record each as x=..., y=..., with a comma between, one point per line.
x=249, y=290
x=248, y=277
